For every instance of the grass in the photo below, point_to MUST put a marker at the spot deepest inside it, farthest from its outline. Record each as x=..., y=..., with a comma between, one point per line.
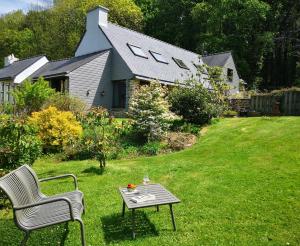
x=240, y=185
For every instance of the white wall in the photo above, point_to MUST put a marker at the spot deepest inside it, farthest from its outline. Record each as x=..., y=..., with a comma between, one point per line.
x=30, y=70
x=234, y=84
x=94, y=40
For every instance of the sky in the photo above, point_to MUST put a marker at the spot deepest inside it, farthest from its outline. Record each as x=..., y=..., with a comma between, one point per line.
x=11, y=5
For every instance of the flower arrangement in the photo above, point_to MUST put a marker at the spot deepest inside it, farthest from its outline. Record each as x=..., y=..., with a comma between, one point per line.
x=131, y=187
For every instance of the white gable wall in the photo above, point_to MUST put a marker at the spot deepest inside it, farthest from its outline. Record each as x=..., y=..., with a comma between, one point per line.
x=30, y=70
x=234, y=84
x=94, y=40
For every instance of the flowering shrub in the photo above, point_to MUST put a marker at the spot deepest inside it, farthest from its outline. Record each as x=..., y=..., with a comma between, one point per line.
x=19, y=143
x=56, y=128
x=150, y=111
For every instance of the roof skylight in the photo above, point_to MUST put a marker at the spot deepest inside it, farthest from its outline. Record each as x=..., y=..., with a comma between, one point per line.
x=180, y=63
x=198, y=66
x=137, y=51
x=158, y=57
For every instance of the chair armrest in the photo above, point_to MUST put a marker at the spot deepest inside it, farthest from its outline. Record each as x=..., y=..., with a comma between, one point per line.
x=51, y=200
x=62, y=176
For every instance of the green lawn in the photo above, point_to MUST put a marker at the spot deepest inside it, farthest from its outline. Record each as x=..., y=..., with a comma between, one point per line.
x=240, y=185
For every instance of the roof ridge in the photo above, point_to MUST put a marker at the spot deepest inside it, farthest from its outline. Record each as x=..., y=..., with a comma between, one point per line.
x=23, y=59
x=154, y=38
x=69, y=58
x=62, y=59
x=218, y=53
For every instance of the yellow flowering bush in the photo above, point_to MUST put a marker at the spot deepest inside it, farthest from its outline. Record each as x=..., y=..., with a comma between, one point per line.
x=57, y=128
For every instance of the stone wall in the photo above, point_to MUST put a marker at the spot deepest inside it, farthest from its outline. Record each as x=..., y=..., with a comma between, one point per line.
x=240, y=105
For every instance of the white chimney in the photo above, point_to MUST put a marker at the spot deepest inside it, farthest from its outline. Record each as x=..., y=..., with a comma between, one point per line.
x=10, y=59
x=97, y=16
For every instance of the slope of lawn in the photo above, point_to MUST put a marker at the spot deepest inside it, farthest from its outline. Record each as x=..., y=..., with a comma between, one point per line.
x=239, y=185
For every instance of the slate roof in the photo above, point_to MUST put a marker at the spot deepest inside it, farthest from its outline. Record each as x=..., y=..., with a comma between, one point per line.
x=12, y=70
x=120, y=37
x=63, y=67
x=218, y=59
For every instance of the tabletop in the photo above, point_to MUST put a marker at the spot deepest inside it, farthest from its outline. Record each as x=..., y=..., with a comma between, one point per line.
x=162, y=196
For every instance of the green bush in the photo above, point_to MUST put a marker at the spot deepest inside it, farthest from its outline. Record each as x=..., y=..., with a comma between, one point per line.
x=150, y=111
x=19, y=143
x=65, y=102
x=30, y=96
x=151, y=148
x=182, y=126
x=195, y=103
x=101, y=136
x=6, y=108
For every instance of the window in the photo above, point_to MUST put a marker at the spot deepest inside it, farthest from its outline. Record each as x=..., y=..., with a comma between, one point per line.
x=180, y=63
x=119, y=94
x=158, y=57
x=137, y=51
x=230, y=74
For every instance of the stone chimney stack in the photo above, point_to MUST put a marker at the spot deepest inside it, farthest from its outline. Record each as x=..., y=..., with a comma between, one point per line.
x=10, y=60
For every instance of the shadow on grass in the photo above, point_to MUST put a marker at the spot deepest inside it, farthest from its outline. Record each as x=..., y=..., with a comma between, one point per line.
x=116, y=228
x=53, y=235
x=94, y=170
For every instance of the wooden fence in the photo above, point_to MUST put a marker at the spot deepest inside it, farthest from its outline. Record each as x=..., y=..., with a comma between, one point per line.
x=288, y=103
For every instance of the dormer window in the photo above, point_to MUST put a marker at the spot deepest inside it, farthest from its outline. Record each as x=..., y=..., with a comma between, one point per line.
x=230, y=74
x=137, y=51
x=180, y=63
x=158, y=57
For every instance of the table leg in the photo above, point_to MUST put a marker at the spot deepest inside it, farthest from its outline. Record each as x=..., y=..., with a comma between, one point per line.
x=133, y=223
x=172, y=216
x=157, y=208
x=123, y=209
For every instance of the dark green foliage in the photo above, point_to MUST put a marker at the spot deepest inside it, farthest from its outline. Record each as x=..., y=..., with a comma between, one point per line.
x=19, y=143
x=195, y=103
x=183, y=126
x=151, y=148
x=263, y=35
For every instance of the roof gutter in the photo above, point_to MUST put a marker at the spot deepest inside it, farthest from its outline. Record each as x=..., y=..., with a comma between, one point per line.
x=141, y=77
x=52, y=76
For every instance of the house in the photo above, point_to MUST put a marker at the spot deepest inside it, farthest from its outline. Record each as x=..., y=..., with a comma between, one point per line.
x=15, y=72
x=226, y=62
x=109, y=63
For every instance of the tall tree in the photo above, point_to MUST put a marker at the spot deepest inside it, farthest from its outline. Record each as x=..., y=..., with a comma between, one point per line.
x=56, y=32
x=282, y=63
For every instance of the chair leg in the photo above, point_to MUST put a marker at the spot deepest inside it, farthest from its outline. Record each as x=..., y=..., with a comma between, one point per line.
x=27, y=233
x=83, y=204
x=82, y=232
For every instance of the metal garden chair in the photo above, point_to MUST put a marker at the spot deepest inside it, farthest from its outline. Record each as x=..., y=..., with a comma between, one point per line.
x=34, y=210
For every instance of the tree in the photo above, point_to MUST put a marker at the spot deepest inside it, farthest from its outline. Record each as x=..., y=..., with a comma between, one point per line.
x=150, y=111
x=234, y=25
x=56, y=32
